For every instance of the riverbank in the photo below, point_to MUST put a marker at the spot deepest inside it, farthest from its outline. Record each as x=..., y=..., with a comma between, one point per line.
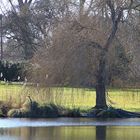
x=20, y=100
x=31, y=109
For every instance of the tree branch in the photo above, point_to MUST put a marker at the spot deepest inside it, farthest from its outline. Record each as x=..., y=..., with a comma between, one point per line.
x=116, y=17
x=12, y=6
x=89, y=7
x=30, y=1
x=111, y=6
x=26, y=1
x=20, y=3
x=131, y=6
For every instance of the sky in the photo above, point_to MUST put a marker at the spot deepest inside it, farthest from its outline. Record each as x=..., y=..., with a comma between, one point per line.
x=4, y=5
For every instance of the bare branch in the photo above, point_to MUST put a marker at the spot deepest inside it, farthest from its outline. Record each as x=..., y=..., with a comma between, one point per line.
x=20, y=3
x=89, y=7
x=82, y=2
x=116, y=17
x=12, y=6
x=30, y=1
x=119, y=15
x=131, y=6
x=111, y=6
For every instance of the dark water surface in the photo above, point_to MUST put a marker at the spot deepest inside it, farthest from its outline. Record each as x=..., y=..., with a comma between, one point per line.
x=69, y=129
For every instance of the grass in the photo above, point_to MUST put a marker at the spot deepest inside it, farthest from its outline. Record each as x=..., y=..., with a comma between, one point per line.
x=82, y=98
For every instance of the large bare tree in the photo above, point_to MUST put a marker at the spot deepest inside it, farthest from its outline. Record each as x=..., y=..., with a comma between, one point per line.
x=117, y=10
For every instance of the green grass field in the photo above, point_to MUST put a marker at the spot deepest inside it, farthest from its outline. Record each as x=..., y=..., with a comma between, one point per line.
x=83, y=98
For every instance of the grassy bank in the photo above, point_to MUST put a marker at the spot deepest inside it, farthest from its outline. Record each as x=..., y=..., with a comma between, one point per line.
x=84, y=98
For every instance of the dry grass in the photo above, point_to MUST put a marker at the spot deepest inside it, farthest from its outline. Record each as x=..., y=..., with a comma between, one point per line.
x=83, y=98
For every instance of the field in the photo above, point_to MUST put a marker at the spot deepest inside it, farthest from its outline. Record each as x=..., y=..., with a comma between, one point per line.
x=83, y=98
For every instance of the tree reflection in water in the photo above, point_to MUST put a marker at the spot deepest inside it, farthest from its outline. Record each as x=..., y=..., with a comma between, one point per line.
x=100, y=132
x=71, y=133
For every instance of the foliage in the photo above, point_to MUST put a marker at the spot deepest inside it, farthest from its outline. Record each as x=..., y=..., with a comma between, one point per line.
x=75, y=112
x=11, y=71
x=33, y=110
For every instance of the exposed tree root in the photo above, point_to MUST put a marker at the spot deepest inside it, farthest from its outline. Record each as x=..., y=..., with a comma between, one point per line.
x=112, y=113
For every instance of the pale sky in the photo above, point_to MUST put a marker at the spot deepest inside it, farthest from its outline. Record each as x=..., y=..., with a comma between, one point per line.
x=4, y=5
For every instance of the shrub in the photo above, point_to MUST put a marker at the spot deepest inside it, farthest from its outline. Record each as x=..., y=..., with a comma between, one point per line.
x=74, y=112
x=11, y=71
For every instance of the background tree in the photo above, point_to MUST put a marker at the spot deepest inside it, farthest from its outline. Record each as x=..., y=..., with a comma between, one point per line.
x=28, y=23
x=18, y=26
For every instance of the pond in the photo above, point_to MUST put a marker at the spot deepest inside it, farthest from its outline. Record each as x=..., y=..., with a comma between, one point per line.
x=69, y=129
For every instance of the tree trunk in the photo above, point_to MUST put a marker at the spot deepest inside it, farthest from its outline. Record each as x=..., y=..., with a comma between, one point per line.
x=101, y=83
x=28, y=51
x=116, y=14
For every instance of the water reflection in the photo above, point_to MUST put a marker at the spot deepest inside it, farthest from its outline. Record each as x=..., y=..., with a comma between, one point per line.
x=100, y=132
x=71, y=133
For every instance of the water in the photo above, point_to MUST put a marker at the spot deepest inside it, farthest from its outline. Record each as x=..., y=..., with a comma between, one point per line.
x=69, y=129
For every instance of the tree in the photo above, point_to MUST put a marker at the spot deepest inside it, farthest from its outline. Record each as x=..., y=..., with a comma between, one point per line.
x=28, y=23
x=95, y=28
x=19, y=27
x=117, y=9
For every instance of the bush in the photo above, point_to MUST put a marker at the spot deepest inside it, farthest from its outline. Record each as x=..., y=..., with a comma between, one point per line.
x=74, y=112
x=50, y=110
x=11, y=71
x=33, y=110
